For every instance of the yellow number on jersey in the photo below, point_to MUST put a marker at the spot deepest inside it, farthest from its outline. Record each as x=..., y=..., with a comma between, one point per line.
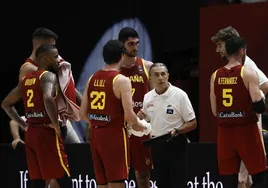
x=30, y=95
x=95, y=103
x=133, y=91
x=227, y=97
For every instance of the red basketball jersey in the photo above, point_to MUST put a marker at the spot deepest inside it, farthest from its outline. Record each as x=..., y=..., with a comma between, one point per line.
x=32, y=95
x=234, y=104
x=139, y=80
x=105, y=109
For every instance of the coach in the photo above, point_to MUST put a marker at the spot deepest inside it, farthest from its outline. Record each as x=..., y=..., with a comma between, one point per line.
x=169, y=110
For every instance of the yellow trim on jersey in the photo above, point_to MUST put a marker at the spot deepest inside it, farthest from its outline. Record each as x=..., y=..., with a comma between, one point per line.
x=60, y=156
x=214, y=75
x=42, y=74
x=144, y=67
x=242, y=72
x=89, y=78
x=115, y=78
x=23, y=78
x=125, y=146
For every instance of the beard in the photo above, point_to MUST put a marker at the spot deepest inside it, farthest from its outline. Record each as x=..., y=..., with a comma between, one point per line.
x=224, y=58
x=131, y=54
x=53, y=70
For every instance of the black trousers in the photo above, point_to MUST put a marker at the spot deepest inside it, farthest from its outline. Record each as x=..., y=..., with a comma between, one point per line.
x=170, y=162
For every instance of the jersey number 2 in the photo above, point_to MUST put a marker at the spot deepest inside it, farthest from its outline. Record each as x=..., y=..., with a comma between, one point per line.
x=30, y=95
x=227, y=97
x=95, y=103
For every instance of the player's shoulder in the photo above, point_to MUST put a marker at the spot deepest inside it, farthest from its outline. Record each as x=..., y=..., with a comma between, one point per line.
x=28, y=63
x=121, y=79
x=214, y=73
x=249, y=72
x=47, y=76
x=26, y=68
x=147, y=63
x=249, y=62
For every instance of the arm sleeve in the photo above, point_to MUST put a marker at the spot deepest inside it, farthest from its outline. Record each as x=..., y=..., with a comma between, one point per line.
x=186, y=107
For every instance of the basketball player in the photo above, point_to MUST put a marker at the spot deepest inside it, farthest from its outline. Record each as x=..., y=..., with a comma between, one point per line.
x=40, y=36
x=45, y=155
x=219, y=39
x=106, y=104
x=136, y=69
x=235, y=99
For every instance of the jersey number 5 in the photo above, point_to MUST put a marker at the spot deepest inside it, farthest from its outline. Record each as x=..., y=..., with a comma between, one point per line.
x=95, y=103
x=227, y=97
x=30, y=95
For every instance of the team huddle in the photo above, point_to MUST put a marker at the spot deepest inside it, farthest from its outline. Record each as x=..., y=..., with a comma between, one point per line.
x=129, y=101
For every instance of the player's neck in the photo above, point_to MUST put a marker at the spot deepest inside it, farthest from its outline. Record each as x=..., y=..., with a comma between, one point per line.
x=232, y=63
x=129, y=62
x=111, y=67
x=32, y=56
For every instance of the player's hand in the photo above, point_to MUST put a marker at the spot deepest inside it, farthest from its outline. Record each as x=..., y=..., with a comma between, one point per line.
x=16, y=142
x=141, y=114
x=138, y=127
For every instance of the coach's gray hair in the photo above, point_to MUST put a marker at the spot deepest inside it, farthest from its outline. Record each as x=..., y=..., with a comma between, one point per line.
x=158, y=64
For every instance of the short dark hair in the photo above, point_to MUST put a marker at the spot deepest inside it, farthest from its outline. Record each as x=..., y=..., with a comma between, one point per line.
x=158, y=64
x=112, y=51
x=44, y=33
x=224, y=34
x=44, y=48
x=127, y=32
x=234, y=44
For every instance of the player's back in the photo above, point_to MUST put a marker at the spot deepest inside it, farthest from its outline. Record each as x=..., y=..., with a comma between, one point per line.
x=32, y=95
x=139, y=81
x=105, y=109
x=234, y=104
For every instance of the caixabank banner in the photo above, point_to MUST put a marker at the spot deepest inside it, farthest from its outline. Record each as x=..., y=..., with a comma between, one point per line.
x=202, y=167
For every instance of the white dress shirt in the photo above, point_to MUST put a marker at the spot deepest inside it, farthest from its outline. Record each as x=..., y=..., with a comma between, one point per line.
x=168, y=110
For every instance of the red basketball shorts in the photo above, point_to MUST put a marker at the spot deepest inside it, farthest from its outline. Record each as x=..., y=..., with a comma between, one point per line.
x=140, y=155
x=110, y=154
x=45, y=154
x=240, y=142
